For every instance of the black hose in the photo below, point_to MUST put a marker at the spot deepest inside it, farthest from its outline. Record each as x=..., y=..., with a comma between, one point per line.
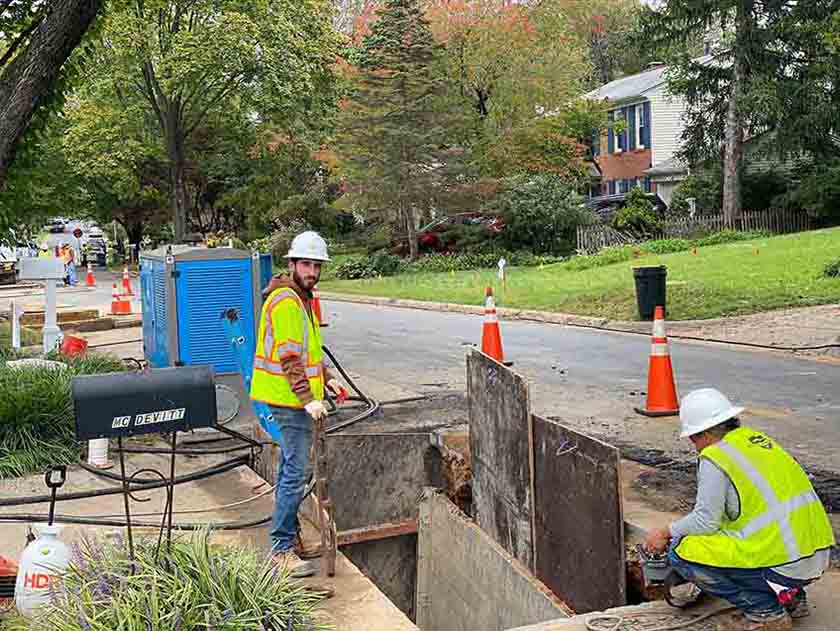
x=142, y=485
x=94, y=521
x=184, y=452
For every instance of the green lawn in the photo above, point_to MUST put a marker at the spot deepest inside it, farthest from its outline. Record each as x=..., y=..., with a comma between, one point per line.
x=733, y=279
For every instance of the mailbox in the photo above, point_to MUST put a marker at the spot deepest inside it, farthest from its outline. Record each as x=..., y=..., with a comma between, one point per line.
x=149, y=402
x=43, y=268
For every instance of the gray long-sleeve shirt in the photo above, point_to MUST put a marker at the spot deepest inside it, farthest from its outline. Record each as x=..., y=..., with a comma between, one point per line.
x=716, y=496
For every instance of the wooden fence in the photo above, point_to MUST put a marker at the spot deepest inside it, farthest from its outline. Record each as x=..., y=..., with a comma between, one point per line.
x=591, y=239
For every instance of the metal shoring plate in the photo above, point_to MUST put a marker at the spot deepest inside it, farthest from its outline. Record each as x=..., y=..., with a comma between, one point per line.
x=228, y=404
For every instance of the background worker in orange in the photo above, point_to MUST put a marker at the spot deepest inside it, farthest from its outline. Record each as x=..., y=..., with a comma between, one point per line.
x=290, y=375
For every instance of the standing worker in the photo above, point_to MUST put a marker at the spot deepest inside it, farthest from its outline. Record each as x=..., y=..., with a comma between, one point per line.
x=290, y=375
x=68, y=255
x=758, y=533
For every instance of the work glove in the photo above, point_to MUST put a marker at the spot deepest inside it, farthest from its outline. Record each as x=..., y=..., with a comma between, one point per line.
x=316, y=410
x=337, y=390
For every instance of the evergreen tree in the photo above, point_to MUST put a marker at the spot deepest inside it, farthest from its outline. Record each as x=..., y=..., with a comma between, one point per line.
x=772, y=69
x=394, y=133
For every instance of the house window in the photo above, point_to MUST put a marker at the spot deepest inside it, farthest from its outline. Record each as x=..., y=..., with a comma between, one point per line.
x=648, y=187
x=631, y=126
x=643, y=115
x=622, y=135
x=596, y=144
x=611, y=187
x=611, y=133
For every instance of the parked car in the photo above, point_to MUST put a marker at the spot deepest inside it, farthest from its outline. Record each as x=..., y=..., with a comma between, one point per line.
x=56, y=227
x=95, y=250
x=430, y=237
x=8, y=266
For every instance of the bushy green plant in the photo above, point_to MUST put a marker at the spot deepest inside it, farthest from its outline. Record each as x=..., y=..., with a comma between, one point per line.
x=705, y=188
x=637, y=215
x=195, y=586
x=832, y=270
x=476, y=260
x=379, y=264
x=36, y=413
x=542, y=214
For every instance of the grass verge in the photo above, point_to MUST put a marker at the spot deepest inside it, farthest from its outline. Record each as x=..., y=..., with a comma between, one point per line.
x=738, y=278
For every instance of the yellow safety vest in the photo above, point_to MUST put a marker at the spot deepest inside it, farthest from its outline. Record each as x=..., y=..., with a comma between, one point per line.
x=286, y=329
x=782, y=520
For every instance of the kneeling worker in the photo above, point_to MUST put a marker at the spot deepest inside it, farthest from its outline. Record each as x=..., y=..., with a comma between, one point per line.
x=758, y=533
x=290, y=375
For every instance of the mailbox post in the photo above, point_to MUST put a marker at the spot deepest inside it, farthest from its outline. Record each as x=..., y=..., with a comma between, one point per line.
x=50, y=270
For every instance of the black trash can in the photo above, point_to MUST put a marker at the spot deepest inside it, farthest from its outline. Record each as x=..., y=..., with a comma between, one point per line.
x=650, y=289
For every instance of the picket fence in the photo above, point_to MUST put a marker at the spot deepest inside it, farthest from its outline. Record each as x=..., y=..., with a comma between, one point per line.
x=591, y=239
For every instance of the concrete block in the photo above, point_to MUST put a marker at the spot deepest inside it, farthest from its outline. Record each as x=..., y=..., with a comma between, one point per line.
x=467, y=581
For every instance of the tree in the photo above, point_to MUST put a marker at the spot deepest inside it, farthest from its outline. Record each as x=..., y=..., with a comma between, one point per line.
x=43, y=35
x=774, y=70
x=189, y=59
x=511, y=61
x=393, y=142
x=606, y=29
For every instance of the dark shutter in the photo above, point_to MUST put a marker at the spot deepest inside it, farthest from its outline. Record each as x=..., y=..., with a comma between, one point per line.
x=611, y=133
x=631, y=124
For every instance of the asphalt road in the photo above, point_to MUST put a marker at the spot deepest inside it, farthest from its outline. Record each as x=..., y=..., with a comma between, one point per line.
x=592, y=379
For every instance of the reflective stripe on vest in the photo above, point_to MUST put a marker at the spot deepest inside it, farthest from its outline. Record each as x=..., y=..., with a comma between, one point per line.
x=270, y=383
x=777, y=511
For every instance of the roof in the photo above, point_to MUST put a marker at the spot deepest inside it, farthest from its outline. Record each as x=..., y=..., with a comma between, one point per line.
x=183, y=252
x=674, y=166
x=635, y=85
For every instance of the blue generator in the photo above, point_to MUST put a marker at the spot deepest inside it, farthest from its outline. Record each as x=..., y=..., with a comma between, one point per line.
x=185, y=289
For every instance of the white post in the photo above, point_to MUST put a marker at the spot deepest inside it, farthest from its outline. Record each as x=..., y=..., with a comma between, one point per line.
x=52, y=334
x=16, y=313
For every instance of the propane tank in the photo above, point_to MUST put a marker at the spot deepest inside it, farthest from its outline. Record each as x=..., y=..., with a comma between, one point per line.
x=44, y=559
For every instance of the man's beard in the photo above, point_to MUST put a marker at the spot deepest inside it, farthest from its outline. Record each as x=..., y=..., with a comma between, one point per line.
x=305, y=284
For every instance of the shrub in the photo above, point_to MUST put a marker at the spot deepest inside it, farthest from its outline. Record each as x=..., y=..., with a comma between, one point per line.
x=190, y=587
x=705, y=188
x=380, y=264
x=637, y=215
x=541, y=215
x=36, y=413
x=832, y=270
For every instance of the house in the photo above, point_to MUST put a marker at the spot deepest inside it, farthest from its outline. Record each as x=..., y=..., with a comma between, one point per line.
x=642, y=137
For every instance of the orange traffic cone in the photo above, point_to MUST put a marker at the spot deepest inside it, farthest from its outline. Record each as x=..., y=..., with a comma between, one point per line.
x=120, y=305
x=90, y=281
x=316, y=306
x=126, y=282
x=491, y=336
x=661, y=393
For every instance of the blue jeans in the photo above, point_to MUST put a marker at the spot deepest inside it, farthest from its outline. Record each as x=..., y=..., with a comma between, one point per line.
x=746, y=589
x=294, y=471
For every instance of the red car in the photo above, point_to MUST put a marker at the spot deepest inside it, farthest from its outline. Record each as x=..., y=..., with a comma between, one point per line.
x=429, y=238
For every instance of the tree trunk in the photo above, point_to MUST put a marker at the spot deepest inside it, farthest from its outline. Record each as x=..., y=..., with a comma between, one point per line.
x=411, y=229
x=29, y=77
x=734, y=132
x=177, y=167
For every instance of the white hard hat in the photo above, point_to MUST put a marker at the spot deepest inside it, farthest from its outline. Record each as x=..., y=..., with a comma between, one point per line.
x=308, y=245
x=703, y=409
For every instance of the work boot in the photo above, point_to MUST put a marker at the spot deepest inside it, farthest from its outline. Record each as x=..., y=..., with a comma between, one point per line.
x=291, y=562
x=798, y=607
